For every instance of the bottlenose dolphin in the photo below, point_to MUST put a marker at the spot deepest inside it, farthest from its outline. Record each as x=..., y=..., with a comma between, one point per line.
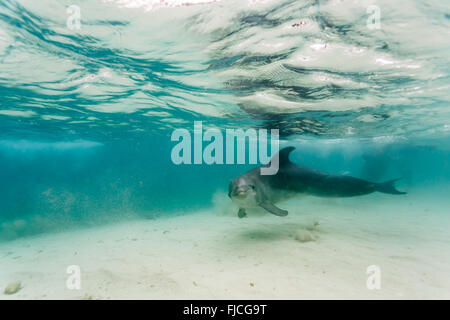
x=252, y=189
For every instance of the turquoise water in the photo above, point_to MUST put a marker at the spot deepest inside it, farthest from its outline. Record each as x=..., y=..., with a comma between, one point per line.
x=86, y=114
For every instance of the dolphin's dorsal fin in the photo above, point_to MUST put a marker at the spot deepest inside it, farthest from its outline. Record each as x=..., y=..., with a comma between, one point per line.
x=283, y=156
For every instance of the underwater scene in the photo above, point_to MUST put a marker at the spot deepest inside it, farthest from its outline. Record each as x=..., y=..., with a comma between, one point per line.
x=233, y=149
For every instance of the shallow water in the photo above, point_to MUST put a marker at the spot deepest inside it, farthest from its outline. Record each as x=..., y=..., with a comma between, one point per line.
x=87, y=114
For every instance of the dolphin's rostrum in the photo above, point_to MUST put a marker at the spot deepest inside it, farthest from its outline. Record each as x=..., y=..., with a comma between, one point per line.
x=252, y=189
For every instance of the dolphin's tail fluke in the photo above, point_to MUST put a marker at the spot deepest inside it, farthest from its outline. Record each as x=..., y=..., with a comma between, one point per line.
x=388, y=187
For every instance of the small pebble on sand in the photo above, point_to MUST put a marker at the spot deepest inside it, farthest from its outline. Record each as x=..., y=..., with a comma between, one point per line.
x=303, y=236
x=12, y=288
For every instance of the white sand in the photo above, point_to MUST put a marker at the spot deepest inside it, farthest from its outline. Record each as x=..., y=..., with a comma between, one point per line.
x=209, y=255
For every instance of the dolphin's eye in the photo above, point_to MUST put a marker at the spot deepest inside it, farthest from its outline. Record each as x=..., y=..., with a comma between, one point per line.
x=252, y=186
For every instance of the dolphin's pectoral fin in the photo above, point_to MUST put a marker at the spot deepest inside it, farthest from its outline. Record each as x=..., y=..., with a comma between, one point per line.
x=273, y=209
x=241, y=213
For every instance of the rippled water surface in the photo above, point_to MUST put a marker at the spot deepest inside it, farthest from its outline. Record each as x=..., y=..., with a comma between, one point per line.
x=310, y=68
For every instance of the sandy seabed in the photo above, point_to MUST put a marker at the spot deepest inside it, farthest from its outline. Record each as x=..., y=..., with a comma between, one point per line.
x=321, y=250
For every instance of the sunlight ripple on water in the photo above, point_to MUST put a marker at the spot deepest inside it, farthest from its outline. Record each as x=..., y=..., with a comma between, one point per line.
x=309, y=68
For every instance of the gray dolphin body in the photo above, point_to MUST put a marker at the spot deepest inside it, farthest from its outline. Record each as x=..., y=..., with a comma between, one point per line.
x=252, y=189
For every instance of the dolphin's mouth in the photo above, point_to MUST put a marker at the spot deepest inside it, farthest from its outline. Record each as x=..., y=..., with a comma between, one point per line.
x=240, y=193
